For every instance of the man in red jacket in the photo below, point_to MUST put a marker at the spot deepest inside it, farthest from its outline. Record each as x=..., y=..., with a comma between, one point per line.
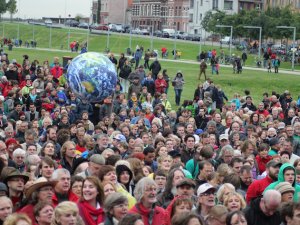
x=257, y=188
x=62, y=189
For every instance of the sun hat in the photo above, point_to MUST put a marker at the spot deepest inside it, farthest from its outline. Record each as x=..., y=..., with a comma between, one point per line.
x=38, y=184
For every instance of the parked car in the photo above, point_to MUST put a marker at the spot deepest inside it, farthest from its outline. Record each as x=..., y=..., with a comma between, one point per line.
x=182, y=35
x=145, y=32
x=93, y=26
x=136, y=31
x=157, y=33
x=83, y=25
x=225, y=40
x=193, y=37
x=48, y=22
x=72, y=23
x=165, y=34
x=102, y=27
x=116, y=28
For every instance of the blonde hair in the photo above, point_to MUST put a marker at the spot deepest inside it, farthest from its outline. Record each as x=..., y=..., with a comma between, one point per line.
x=239, y=196
x=63, y=208
x=65, y=146
x=14, y=218
x=221, y=191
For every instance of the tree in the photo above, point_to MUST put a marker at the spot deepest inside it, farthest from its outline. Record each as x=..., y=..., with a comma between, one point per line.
x=2, y=7
x=11, y=8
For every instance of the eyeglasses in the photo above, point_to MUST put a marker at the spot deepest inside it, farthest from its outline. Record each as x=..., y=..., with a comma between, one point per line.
x=208, y=193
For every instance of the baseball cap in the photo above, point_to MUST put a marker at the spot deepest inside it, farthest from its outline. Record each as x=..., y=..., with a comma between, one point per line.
x=204, y=188
x=273, y=163
x=223, y=137
x=199, y=131
x=120, y=137
x=174, y=154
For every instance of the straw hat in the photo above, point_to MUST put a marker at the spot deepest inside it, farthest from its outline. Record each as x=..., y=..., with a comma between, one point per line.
x=37, y=184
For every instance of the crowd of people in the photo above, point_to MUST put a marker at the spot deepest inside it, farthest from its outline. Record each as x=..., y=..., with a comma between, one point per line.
x=134, y=159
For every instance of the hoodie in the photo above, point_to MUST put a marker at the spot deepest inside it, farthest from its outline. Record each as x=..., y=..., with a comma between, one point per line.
x=281, y=179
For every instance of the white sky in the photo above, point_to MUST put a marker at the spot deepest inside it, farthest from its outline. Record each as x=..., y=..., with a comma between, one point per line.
x=52, y=8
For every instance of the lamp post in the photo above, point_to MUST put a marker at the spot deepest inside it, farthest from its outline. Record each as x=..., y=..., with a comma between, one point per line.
x=260, y=31
x=231, y=31
x=294, y=40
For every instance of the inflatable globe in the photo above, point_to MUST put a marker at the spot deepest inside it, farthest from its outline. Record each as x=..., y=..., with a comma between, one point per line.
x=92, y=76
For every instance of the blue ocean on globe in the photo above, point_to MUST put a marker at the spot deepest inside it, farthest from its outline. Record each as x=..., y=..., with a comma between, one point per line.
x=92, y=76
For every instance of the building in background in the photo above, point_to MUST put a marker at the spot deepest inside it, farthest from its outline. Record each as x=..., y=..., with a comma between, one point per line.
x=250, y=4
x=294, y=4
x=198, y=9
x=113, y=11
x=160, y=14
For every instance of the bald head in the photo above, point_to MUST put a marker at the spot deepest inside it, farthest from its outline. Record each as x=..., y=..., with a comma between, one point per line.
x=272, y=196
x=270, y=202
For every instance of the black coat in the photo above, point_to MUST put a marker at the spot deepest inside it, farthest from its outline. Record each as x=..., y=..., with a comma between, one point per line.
x=255, y=216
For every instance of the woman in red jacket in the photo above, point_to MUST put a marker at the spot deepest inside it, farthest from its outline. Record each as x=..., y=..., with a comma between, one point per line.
x=90, y=206
x=145, y=193
x=160, y=84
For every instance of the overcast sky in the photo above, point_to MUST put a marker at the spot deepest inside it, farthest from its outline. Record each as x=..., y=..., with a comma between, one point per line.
x=52, y=8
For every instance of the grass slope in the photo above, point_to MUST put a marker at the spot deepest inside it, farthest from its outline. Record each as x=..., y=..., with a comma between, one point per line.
x=117, y=43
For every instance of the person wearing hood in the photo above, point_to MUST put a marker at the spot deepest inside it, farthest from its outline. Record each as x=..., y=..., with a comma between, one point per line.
x=125, y=175
x=178, y=83
x=287, y=173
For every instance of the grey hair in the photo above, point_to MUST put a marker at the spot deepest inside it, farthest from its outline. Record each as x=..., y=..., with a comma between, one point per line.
x=226, y=148
x=113, y=200
x=56, y=174
x=211, y=123
x=19, y=151
x=140, y=187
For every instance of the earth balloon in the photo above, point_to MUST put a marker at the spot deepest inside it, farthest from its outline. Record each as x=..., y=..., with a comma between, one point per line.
x=92, y=76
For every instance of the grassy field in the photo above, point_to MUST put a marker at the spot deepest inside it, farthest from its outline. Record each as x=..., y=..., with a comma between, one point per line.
x=257, y=82
x=117, y=43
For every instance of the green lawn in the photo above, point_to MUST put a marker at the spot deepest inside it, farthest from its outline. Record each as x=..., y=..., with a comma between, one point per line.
x=117, y=43
x=257, y=82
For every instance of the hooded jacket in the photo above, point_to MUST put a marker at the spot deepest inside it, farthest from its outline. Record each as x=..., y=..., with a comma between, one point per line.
x=281, y=179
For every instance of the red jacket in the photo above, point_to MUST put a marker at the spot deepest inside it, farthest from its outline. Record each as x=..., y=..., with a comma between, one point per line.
x=262, y=162
x=56, y=71
x=28, y=210
x=72, y=197
x=160, y=85
x=159, y=215
x=257, y=188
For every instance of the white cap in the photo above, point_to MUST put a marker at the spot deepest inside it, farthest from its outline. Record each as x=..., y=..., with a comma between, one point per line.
x=204, y=188
x=223, y=136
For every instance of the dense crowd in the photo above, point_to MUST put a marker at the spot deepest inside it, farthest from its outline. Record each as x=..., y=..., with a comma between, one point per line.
x=135, y=159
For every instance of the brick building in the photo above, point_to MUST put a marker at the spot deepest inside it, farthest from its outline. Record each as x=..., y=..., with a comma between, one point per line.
x=295, y=4
x=159, y=14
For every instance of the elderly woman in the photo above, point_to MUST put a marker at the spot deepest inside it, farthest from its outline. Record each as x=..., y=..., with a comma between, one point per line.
x=17, y=219
x=66, y=213
x=145, y=194
x=92, y=199
x=19, y=159
x=234, y=202
x=116, y=207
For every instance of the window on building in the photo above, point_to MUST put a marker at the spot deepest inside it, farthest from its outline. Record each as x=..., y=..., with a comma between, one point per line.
x=191, y=18
x=228, y=5
x=215, y=5
x=201, y=3
x=192, y=4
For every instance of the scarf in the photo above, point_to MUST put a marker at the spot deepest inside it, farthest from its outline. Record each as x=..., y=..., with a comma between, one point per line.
x=88, y=213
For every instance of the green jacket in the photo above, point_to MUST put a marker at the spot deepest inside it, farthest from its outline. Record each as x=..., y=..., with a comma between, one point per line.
x=281, y=179
x=273, y=152
x=192, y=167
